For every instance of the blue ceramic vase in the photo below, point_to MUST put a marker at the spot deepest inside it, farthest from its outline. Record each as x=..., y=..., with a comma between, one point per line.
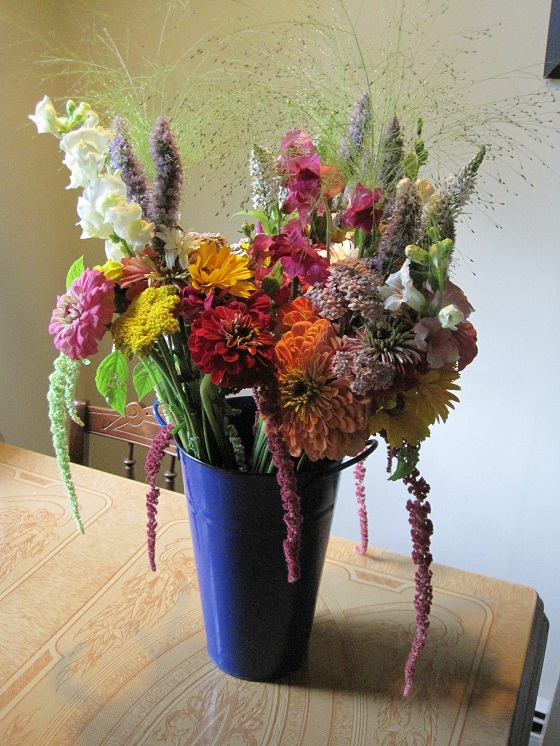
x=257, y=623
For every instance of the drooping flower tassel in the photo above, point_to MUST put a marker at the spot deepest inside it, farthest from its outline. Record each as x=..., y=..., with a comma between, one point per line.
x=359, y=476
x=153, y=465
x=62, y=384
x=421, y=531
x=268, y=401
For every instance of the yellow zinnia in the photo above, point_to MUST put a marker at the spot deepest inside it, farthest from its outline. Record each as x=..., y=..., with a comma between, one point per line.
x=407, y=416
x=148, y=316
x=214, y=268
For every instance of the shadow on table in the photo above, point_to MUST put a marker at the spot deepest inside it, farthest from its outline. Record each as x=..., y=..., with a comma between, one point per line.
x=364, y=655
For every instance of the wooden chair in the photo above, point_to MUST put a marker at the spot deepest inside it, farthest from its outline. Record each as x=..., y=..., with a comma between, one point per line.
x=137, y=427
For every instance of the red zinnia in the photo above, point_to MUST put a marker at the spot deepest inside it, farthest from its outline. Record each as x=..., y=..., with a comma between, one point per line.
x=233, y=343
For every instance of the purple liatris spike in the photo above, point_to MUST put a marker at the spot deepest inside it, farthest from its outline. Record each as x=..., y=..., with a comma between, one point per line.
x=360, y=120
x=359, y=476
x=166, y=191
x=390, y=169
x=401, y=229
x=123, y=158
x=153, y=465
x=268, y=400
x=421, y=531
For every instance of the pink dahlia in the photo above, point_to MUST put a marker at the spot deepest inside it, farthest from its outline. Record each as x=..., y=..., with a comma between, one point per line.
x=233, y=343
x=82, y=315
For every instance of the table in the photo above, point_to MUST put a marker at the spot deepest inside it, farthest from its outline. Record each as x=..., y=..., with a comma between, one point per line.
x=97, y=649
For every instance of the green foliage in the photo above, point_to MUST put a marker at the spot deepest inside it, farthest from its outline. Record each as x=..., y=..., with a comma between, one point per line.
x=111, y=378
x=145, y=377
x=75, y=271
x=407, y=458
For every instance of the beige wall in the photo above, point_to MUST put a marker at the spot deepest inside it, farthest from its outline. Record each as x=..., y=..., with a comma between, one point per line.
x=493, y=465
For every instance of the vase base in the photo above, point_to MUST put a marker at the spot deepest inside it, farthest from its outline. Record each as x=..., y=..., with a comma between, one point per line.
x=238, y=672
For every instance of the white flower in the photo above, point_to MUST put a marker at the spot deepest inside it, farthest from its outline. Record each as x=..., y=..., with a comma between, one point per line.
x=45, y=118
x=104, y=211
x=178, y=245
x=85, y=153
x=137, y=233
x=400, y=289
x=98, y=197
x=115, y=250
x=342, y=251
x=450, y=316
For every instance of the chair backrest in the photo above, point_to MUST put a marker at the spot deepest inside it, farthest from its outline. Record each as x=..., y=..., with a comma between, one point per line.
x=137, y=427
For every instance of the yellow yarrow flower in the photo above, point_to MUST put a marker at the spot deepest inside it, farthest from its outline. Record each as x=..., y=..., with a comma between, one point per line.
x=148, y=316
x=111, y=269
x=213, y=268
x=406, y=417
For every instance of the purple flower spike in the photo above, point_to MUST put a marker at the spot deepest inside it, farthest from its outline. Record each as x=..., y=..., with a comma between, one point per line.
x=153, y=465
x=166, y=192
x=122, y=157
x=360, y=121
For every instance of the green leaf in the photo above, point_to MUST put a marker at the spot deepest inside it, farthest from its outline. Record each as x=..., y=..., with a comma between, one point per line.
x=407, y=459
x=75, y=271
x=144, y=376
x=272, y=282
x=111, y=380
x=259, y=215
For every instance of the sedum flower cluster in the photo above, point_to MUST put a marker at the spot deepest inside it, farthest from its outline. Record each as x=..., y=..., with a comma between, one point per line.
x=337, y=308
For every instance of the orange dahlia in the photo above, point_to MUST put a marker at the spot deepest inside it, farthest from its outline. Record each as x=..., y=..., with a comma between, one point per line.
x=320, y=414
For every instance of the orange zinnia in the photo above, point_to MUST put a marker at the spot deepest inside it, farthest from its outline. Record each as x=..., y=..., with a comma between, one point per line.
x=320, y=414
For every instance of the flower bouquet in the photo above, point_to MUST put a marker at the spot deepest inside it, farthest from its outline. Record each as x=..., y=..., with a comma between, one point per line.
x=336, y=309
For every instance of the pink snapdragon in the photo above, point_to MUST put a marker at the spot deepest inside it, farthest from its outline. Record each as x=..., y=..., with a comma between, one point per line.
x=82, y=315
x=362, y=213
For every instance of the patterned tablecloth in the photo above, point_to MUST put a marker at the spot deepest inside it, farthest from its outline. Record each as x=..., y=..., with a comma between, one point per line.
x=96, y=649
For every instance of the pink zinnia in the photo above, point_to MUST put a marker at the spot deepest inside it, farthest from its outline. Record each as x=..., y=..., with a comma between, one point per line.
x=82, y=315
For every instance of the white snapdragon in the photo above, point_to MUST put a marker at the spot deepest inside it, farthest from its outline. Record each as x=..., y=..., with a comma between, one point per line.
x=46, y=120
x=103, y=192
x=85, y=154
x=104, y=212
x=450, y=316
x=400, y=289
